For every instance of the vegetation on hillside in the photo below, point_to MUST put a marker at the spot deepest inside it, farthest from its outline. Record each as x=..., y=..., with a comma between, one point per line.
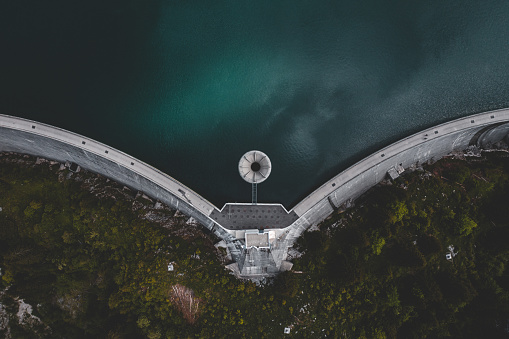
x=380, y=270
x=92, y=258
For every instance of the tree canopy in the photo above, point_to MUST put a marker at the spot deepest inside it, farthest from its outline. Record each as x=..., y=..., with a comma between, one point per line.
x=92, y=259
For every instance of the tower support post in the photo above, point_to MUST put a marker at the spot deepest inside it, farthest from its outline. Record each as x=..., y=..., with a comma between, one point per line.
x=254, y=193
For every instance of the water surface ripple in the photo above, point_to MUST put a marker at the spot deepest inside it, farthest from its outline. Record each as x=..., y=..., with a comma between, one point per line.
x=190, y=86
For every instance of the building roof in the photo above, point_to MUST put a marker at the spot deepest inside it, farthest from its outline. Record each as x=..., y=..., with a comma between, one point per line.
x=257, y=239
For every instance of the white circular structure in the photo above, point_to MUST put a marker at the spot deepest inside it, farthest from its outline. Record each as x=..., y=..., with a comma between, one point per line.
x=255, y=167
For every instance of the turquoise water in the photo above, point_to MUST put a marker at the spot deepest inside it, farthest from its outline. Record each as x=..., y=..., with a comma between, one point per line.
x=190, y=86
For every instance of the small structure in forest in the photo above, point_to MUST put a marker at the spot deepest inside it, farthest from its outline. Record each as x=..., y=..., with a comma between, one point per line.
x=73, y=167
x=395, y=171
x=450, y=255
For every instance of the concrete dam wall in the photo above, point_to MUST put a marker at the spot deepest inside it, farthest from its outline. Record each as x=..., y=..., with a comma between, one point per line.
x=34, y=138
x=29, y=137
x=431, y=144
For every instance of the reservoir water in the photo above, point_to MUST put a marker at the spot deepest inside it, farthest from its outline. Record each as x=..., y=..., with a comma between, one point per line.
x=190, y=86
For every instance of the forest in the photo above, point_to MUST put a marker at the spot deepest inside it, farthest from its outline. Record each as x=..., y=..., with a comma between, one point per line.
x=425, y=255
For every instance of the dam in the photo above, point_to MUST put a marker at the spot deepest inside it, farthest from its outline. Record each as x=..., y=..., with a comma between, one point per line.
x=257, y=236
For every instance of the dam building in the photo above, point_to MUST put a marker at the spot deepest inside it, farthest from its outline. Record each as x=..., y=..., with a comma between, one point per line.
x=257, y=235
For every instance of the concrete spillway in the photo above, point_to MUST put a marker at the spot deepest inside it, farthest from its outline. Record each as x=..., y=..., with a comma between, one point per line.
x=29, y=137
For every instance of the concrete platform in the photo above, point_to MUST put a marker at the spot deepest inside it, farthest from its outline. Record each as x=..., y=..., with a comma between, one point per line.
x=249, y=216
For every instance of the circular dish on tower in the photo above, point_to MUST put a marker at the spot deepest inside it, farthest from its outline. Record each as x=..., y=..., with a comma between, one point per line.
x=254, y=167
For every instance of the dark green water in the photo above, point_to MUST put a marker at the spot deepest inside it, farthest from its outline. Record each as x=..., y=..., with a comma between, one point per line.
x=189, y=86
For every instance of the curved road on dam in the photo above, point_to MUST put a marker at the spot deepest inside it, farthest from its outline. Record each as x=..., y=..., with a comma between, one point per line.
x=25, y=136
x=109, y=153
x=428, y=144
x=385, y=154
